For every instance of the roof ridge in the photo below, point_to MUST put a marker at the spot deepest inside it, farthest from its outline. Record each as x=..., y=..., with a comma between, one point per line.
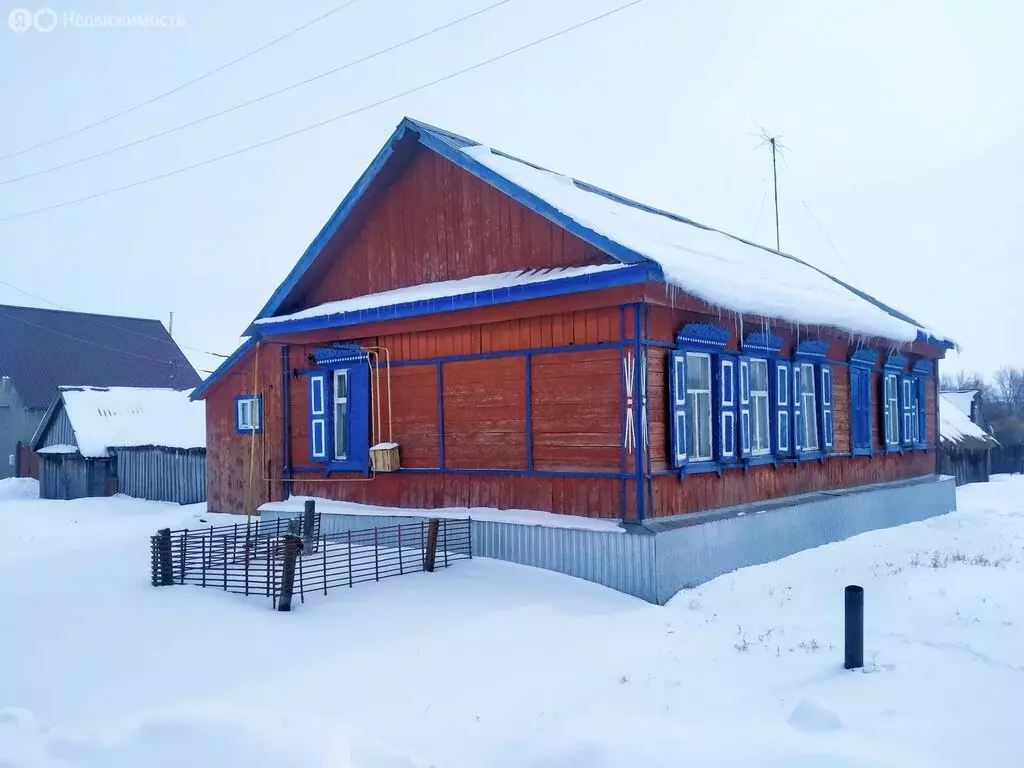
x=79, y=312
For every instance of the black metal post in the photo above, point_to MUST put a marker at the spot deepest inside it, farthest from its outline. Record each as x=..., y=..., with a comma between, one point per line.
x=291, y=554
x=308, y=518
x=854, y=627
x=166, y=566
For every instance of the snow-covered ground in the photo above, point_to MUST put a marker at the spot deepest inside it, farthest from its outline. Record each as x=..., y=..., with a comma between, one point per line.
x=492, y=664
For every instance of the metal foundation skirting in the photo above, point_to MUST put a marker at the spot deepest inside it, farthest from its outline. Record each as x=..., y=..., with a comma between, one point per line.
x=656, y=559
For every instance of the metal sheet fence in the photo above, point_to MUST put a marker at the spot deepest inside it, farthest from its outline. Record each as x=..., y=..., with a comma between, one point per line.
x=250, y=558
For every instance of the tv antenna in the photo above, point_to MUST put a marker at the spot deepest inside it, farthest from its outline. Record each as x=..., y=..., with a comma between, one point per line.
x=777, y=147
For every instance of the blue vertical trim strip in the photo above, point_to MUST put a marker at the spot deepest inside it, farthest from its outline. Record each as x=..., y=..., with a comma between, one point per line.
x=286, y=431
x=637, y=413
x=622, y=416
x=529, y=412
x=440, y=418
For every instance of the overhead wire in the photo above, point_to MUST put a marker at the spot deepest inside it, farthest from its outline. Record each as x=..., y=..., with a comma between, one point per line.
x=178, y=88
x=320, y=124
x=250, y=102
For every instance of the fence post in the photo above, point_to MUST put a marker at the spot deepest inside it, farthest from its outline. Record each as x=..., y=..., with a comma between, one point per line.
x=432, y=526
x=291, y=552
x=854, y=627
x=400, y=571
x=225, y=563
x=164, y=547
x=308, y=516
x=444, y=541
x=323, y=545
x=376, y=558
x=349, y=560
x=469, y=533
x=184, y=548
x=202, y=547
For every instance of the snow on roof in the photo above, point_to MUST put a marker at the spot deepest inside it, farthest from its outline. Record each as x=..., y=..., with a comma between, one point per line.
x=440, y=290
x=716, y=267
x=962, y=399
x=123, y=417
x=955, y=426
x=59, y=448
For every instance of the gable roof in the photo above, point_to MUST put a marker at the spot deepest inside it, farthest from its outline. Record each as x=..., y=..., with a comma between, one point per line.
x=126, y=417
x=963, y=399
x=42, y=349
x=722, y=269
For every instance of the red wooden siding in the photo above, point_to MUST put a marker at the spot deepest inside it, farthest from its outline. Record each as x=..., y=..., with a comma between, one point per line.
x=437, y=222
x=485, y=413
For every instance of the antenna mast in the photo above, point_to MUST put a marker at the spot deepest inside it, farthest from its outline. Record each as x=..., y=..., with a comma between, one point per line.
x=777, y=146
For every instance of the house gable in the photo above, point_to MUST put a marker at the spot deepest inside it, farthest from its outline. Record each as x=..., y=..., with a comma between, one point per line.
x=427, y=220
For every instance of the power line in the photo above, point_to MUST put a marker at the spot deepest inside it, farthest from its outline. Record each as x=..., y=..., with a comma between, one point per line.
x=84, y=341
x=105, y=322
x=177, y=88
x=322, y=123
x=256, y=100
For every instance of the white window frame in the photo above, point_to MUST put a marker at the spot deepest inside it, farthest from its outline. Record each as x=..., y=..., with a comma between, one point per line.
x=892, y=427
x=247, y=414
x=809, y=410
x=762, y=396
x=693, y=442
x=341, y=373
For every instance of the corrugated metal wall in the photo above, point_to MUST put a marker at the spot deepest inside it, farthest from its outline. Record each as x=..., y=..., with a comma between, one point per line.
x=60, y=431
x=655, y=563
x=162, y=474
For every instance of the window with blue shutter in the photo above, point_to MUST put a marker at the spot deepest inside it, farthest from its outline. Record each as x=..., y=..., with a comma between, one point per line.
x=339, y=409
x=861, y=363
x=727, y=408
x=745, y=406
x=677, y=403
x=892, y=400
x=798, y=418
x=908, y=407
x=783, y=428
x=318, y=417
x=827, y=426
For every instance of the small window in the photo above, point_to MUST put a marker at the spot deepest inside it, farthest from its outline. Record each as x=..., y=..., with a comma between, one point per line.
x=760, y=438
x=248, y=416
x=698, y=401
x=340, y=415
x=808, y=405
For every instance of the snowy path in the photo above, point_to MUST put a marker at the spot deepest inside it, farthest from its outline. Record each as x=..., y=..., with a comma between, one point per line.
x=488, y=663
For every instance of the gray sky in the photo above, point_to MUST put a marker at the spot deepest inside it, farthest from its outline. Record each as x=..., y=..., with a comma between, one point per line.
x=905, y=123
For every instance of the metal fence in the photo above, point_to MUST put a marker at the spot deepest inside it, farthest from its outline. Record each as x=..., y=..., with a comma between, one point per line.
x=282, y=557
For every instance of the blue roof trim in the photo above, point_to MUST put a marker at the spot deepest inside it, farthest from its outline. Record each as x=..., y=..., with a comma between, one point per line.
x=766, y=342
x=246, y=345
x=896, y=362
x=812, y=348
x=864, y=357
x=924, y=366
x=557, y=287
x=703, y=334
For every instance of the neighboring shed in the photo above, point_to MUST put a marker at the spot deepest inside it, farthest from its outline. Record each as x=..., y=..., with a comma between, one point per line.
x=41, y=349
x=965, y=449
x=147, y=443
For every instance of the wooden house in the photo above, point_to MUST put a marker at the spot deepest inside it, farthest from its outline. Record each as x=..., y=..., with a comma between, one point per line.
x=148, y=443
x=965, y=448
x=530, y=341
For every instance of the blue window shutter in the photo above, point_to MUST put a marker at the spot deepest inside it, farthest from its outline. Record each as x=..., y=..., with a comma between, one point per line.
x=358, y=449
x=677, y=407
x=860, y=409
x=745, y=406
x=922, y=411
x=827, y=426
x=783, y=401
x=798, y=421
x=318, y=432
x=907, y=408
x=727, y=408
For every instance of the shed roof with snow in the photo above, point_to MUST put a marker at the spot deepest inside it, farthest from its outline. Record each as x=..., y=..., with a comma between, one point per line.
x=93, y=420
x=955, y=426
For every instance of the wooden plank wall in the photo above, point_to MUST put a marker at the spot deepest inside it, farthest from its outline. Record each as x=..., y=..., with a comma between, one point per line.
x=576, y=418
x=438, y=222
